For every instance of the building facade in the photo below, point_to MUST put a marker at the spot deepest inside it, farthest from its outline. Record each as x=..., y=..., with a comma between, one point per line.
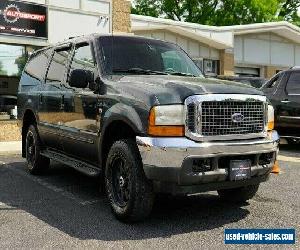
x=258, y=50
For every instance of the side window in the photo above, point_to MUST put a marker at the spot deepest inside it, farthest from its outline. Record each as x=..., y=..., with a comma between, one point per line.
x=293, y=84
x=83, y=59
x=36, y=66
x=57, y=68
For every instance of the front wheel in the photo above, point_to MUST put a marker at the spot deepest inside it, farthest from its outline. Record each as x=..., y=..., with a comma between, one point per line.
x=35, y=161
x=129, y=192
x=238, y=195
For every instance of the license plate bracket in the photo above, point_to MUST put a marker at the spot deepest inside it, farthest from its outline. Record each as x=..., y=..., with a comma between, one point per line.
x=239, y=170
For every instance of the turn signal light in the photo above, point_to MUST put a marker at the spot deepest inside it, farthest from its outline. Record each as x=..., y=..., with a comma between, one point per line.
x=271, y=125
x=271, y=117
x=163, y=130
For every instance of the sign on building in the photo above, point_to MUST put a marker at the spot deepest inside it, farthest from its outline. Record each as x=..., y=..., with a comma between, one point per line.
x=23, y=19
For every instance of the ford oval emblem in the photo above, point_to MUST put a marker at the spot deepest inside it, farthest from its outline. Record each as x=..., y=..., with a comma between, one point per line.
x=237, y=117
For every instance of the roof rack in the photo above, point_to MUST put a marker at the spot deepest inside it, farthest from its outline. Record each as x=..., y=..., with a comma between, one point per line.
x=295, y=67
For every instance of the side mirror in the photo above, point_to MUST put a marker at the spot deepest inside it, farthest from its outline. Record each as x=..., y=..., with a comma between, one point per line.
x=80, y=78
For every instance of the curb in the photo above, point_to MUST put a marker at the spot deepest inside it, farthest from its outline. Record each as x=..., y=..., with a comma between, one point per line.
x=10, y=148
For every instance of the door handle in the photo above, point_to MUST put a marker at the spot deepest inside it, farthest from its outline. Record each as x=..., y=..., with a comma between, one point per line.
x=285, y=101
x=41, y=98
x=62, y=102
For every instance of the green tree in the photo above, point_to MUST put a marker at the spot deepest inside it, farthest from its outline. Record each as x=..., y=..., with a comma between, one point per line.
x=289, y=11
x=21, y=62
x=220, y=12
x=2, y=71
x=147, y=7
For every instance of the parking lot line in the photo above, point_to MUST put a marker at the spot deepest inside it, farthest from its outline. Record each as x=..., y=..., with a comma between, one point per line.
x=54, y=188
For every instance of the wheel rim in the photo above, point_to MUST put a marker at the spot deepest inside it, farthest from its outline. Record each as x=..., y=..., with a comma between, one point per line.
x=120, y=180
x=30, y=149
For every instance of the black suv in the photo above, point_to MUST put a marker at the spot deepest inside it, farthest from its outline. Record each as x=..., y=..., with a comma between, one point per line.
x=139, y=113
x=283, y=90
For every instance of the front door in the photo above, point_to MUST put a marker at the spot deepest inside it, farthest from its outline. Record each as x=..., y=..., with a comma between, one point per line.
x=79, y=132
x=289, y=111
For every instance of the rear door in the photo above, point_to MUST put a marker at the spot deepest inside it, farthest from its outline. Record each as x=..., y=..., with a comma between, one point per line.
x=289, y=113
x=80, y=130
x=51, y=112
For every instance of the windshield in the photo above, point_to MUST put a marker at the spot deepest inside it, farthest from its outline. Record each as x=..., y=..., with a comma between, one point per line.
x=132, y=55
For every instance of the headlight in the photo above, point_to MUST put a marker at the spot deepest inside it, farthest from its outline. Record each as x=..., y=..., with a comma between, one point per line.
x=166, y=120
x=271, y=117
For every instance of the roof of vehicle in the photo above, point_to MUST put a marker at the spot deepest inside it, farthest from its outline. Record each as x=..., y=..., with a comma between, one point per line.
x=85, y=38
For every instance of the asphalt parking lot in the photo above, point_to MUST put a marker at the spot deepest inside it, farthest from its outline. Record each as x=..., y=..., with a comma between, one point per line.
x=64, y=209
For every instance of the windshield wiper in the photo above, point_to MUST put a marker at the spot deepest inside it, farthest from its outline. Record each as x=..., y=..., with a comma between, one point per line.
x=139, y=71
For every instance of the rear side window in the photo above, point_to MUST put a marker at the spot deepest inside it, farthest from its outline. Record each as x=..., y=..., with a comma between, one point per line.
x=293, y=84
x=36, y=67
x=57, y=66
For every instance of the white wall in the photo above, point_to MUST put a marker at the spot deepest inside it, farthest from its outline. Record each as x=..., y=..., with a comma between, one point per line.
x=266, y=49
x=192, y=47
x=63, y=25
x=100, y=6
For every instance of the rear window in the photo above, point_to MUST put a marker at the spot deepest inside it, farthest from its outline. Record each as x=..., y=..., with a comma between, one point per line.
x=57, y=68
x=37, y=64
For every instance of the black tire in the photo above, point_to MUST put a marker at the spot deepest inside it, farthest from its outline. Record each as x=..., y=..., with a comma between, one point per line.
x=36, y=163
x=129, y=192
x=238, y=195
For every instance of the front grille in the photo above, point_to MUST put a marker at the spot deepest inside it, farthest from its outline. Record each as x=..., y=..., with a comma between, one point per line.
x=191, y=118
x=218, y=118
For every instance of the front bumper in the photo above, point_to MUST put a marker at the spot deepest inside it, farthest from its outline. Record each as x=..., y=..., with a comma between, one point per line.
x=171, y=160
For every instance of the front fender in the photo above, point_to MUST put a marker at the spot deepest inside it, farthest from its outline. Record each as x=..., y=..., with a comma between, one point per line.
x=126, y=114
x=137, y=120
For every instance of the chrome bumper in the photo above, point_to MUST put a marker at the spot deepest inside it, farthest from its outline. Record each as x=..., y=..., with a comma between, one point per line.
x=170, y=155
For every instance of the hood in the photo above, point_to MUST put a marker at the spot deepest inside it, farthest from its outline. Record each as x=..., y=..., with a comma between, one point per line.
x=175, y=89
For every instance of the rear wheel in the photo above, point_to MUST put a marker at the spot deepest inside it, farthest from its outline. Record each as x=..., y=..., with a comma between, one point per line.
x=238, y=195
x=35, y=161
x=129, y=191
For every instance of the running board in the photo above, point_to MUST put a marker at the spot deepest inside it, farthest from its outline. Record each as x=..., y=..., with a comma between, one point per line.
x=81, y=166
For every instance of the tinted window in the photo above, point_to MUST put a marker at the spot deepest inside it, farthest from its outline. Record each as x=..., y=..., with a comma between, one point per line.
x=57, y=66
x=293, y=85
x=124, y=54
x=83, y=59
x=36, y=67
